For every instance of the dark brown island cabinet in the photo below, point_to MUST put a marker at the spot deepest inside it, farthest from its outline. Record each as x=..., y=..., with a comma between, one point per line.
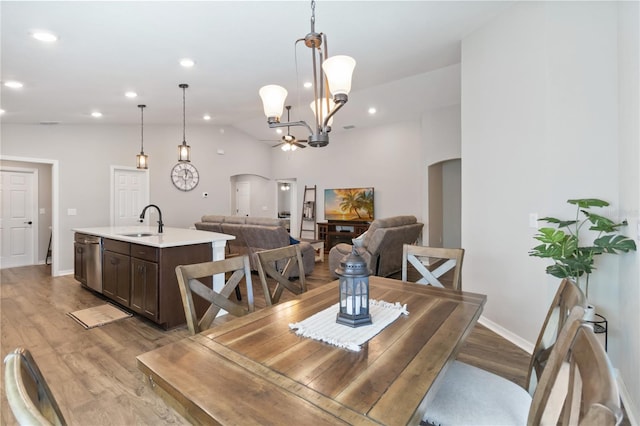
x=143, y=279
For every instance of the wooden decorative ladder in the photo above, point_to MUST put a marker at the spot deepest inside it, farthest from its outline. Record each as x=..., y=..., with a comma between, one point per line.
x=308, y=220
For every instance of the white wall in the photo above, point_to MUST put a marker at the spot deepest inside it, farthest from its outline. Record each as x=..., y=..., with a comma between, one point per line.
x=380, y=157
x=86, y=153
x=540, y=126
x=627, y=332
x=441, y=141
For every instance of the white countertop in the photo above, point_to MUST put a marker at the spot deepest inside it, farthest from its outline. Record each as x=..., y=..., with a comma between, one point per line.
x=171, y=237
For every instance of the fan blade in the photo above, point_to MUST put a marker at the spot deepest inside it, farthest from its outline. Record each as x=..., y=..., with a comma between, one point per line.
x=277, y=145
x=302, y=140
x=299, y=145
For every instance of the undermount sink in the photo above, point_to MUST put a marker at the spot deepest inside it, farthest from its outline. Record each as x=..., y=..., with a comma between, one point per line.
x=139, y=234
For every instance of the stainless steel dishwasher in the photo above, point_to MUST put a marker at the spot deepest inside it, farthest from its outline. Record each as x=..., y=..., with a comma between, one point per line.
x=88, y=261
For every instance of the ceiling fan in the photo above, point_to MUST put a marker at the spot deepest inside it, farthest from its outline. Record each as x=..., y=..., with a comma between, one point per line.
x=289, y=142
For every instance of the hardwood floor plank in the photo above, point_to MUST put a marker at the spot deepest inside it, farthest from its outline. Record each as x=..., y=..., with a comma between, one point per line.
x=93, y=373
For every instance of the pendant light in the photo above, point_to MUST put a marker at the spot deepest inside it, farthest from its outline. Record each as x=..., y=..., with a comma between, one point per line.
x=184, y=150
x=335, y=72
x=142, y=159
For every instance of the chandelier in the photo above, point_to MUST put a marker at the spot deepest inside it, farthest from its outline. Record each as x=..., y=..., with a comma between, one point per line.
x=142, y=159
x=334, y=73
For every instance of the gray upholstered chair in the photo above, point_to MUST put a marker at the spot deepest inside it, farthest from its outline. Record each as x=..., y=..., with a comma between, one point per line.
x=29, y=396
x=471, y=395
x=381, y=245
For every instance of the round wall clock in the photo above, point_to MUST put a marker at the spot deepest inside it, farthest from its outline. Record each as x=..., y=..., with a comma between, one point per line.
x=185, y=176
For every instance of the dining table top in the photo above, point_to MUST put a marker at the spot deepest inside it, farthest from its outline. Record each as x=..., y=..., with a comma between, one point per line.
x=255, y=370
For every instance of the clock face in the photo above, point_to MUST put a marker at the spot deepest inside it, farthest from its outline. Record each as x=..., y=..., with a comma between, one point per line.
x=185, y=176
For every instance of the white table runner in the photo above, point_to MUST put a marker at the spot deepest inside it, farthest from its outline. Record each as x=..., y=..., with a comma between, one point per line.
x=322, y=325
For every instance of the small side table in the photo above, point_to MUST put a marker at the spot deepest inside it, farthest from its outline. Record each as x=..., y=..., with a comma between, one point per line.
x=600, y=326
x=318, y=246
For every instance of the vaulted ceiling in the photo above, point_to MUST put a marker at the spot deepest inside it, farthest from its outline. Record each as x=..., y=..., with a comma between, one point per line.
x=107, y=48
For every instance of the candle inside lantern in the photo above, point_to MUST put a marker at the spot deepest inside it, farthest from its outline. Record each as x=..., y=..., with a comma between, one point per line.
x=351, y=309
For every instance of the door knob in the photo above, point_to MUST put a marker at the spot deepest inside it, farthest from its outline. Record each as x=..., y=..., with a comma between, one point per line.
x=29, y=223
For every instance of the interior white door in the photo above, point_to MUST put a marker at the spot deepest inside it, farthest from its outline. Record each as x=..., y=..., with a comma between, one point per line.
x=130, y=196
x=17, y=219
x=243, y=198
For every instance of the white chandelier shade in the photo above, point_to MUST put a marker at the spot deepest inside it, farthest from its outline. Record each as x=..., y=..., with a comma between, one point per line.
x=339, y=70
x=324, y=110
x=273, y=98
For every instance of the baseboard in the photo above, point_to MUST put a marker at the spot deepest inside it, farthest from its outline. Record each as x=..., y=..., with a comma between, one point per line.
x=626, y=399
x=503, y=332
x=67, y=272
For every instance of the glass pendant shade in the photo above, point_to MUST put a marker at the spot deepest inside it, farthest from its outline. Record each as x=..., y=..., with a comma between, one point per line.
x=141, y=161
x=286, y=147
x=184, y=152
x=325, y=111
x=273, y=98
x=339, y=70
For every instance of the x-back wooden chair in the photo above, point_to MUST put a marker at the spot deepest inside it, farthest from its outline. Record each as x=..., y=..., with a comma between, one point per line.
x=578, y=386
x=278, y=264
x=29, y=396
x=188, y=282
x=415, y=255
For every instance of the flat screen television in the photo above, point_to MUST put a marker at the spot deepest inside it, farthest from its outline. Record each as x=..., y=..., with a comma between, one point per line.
x=349, y=204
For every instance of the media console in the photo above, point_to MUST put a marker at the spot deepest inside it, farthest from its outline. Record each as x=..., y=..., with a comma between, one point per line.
x=336, y=232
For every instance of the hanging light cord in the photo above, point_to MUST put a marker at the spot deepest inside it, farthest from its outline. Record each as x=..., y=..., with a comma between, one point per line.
x=141, y=129
x=184, y=139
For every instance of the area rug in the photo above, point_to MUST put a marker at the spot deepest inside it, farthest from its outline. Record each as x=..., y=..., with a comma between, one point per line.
x=98, y=315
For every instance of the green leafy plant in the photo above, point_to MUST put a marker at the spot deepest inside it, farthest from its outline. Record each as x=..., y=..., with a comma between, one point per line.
x=563, y=245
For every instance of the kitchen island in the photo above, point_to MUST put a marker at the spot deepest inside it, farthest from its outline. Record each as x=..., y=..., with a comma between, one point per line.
x=137, y=266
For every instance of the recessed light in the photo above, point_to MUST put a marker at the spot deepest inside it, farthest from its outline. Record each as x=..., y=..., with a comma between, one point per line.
x=13, y=84
x=96, y=114
x=206, y=117
x=187, y=63
x=307, y=85
x=44, y=36
x=131, y=94
x=1, y=111
x=279, y=131
x=372, y=110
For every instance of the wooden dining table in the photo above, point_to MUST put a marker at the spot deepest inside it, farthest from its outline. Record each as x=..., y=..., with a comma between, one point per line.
x=256, y=370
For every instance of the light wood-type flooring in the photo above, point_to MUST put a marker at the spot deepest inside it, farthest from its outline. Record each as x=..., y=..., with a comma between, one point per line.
x=93, y=373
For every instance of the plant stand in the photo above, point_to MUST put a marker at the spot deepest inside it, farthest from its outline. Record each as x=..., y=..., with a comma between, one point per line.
x=600, y=326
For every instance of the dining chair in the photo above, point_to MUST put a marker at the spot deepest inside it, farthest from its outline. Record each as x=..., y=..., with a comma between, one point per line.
x=578, y=386
x=29, y=396
x=464, y=386
x=278, y=264
x=419, y=255
x=188, y=283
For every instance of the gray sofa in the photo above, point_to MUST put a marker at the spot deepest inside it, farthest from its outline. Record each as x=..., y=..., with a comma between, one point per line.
x=254, y=234
x=381, y=245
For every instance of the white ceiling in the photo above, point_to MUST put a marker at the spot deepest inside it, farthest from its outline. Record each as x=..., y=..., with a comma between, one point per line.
x=107, y=48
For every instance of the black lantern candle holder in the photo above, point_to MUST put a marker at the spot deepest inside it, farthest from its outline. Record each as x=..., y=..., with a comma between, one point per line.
x=354, y=291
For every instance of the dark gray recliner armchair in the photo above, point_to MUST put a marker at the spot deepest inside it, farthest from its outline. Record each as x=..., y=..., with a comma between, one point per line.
x=381, y=245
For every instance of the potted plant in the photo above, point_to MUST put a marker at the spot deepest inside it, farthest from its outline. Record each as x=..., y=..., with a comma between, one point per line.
x=572, y=256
